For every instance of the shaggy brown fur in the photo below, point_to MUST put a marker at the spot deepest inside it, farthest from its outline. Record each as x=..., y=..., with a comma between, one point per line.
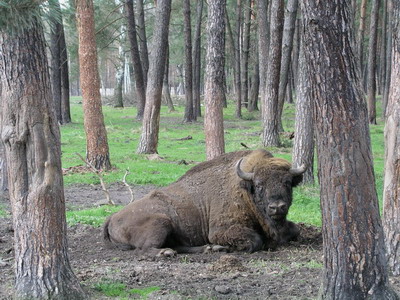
x=211, y=204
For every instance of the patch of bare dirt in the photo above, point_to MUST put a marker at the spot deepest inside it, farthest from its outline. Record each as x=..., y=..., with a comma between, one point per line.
x=290, y=272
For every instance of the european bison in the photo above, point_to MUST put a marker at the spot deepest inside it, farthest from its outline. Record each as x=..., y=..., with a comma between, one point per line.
x=238, y=201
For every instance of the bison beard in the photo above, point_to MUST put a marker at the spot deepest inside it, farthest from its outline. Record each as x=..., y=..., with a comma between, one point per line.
x=238, y=201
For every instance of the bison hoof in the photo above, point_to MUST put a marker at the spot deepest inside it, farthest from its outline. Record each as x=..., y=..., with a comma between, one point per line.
x=167, y=252
x=215, y=248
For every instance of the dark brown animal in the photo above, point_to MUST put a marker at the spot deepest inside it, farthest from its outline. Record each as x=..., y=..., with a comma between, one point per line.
x=238, y=201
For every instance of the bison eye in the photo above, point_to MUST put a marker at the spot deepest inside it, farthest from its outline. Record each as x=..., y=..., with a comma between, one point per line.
x=287, y=182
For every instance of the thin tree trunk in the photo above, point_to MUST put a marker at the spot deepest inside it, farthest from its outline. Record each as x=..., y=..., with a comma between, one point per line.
x=287, y=47
x=97, y=152
x=255, y=85
x=165, y=90
x=371, y=85
x=246, y=53
x=238, y=110
x=197, y=60
x=391, y=194
x=189, y=113
x=151, y=118
x=31, y=137
x=65, y=88
x=361, y=33
x=388, y=57
x=354, y=254
x=141, y=31
x=270, y=107
x=303, y=145
x=263, y=44
x=137, y=63
x=214, y=85
x=382, y=63
x=55, y=36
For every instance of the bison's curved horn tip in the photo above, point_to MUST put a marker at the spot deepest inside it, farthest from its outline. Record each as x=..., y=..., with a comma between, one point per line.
x=298, y=171
x=241, y=173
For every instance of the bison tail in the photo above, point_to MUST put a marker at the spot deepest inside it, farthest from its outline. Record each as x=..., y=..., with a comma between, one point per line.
x=106, y=233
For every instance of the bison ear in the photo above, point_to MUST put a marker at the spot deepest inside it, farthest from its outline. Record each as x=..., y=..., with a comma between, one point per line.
x=247, y=185
x=297, y=180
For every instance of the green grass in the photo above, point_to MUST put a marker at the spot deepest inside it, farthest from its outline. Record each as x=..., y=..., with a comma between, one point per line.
x=124, y=134
x=3, y=211
x=116, y=289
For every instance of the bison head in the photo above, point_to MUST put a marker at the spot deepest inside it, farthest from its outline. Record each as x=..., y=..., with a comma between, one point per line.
x=270, y=185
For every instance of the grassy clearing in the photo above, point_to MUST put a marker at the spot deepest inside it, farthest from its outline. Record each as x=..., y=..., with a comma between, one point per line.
x=116, y=289
x=180, y=155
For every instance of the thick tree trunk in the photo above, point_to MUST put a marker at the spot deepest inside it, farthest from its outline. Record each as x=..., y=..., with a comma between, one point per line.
x=151, y=118
x=287, y=46
x=214, y=85
x=31, y=138
x=303, y=145
x=141, y=31
x=371, y=85
x=354, y=254
x=270, y=101
x=97, y=152
x=197, y=60
x=137, y=63
x=391, y=194
x=189, y=112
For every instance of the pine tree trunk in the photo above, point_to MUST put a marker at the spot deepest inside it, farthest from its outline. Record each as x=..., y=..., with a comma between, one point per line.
x=214, y=80
x=189, y=113
x=31, y=137
x=136, y=61
x=141, y=31
x=303, y=145
x=238, y=78
x=361, y=33
x=197, y=60
x=354, y=254
x=65, y=89
x=255, y=85
x=287, y=47
x=55, y=36
x=391, y=193
x=151, y=119
x=388, y=57
x=165, y=90
x=97, y=152
x=246, y=53
x=270, y=101
x=263, y=44
x=371, y=85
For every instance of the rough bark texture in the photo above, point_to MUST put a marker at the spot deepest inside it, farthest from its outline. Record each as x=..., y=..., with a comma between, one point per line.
x=214, y=80
x=388, y=57
x=97, y=152
x=391, y=194
x=263, y=42
x=303, y=146
x=189, y=112
x=354, y=254
x=270, y=101
x=141, y=31
x=361, y=33
x=32, y=144
x=287, y=46
x=136, y=60
x=371, y=84
x=197, y=60
x=151, y=118
x=55, y=49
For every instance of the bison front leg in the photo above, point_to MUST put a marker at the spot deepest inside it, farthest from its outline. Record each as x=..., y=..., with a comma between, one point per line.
x=238, y=238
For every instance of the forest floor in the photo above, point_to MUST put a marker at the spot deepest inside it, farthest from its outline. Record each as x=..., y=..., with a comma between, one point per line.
x=290, y=272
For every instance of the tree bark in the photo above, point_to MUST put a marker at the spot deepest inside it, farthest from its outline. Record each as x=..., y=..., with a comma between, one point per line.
x=189, y=112
x=303, y=145
x=354, y=254
x=388, y=57
x=97, y=152
x=255, y=85
x=65, y=90
x=151, y=118
x=270, y=101
x=165, y=90
x=371, y=85
x=361, y=33
x=287, y=47
x=214, y=86
x=197, y=60
x=238, y=79
x=136, y=60
x=263, y=43
x=391, y=194
x=31, y=138
x=141, y=31
x=246, y=54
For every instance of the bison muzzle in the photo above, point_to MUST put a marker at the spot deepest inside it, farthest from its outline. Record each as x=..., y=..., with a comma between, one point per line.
x=238, y=201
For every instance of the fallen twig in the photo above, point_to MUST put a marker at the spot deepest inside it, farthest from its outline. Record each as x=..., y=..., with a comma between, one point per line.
x=127, y=185
x=98, y=173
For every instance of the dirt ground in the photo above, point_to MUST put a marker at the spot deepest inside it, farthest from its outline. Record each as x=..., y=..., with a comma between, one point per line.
x=290, y=272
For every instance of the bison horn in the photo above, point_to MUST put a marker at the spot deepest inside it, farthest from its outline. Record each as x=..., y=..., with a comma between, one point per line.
x=241, y=173
x=298, y=171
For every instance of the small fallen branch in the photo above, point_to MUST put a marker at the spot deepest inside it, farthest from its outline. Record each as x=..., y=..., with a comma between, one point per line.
x=127, y=185
x=98, y=173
